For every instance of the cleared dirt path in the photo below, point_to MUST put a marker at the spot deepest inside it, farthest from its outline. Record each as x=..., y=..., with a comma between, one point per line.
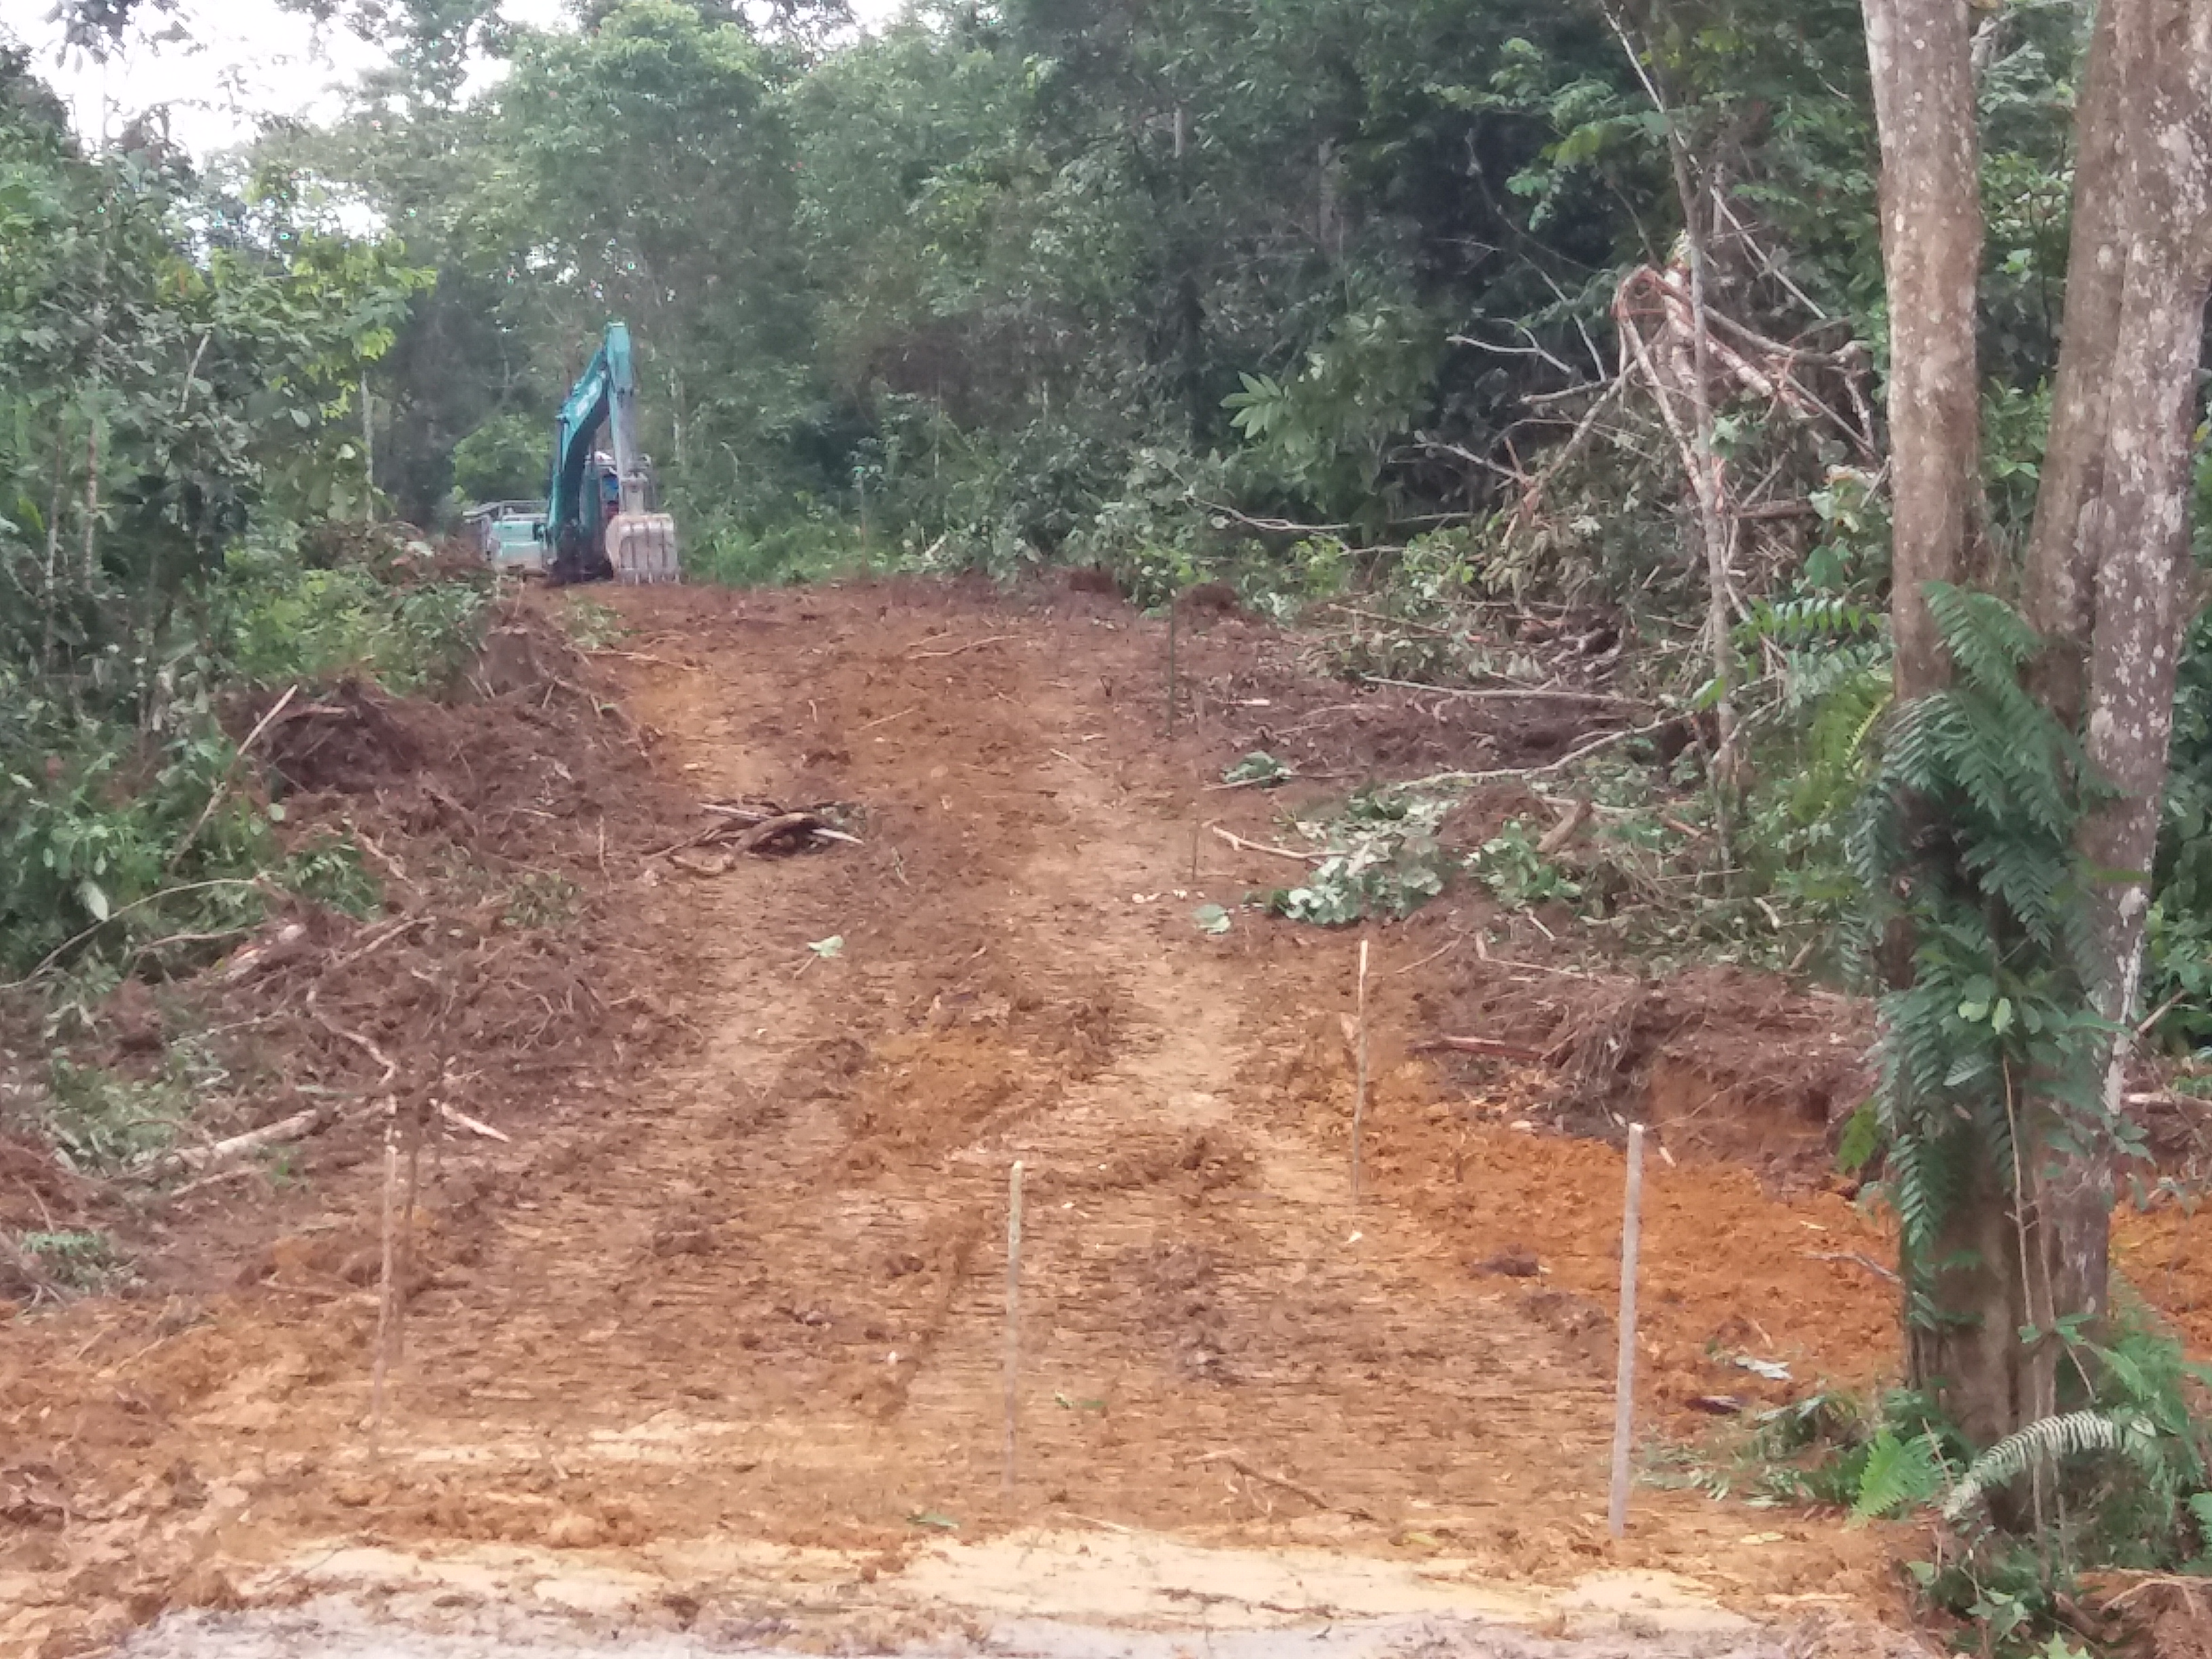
x=728, y=1347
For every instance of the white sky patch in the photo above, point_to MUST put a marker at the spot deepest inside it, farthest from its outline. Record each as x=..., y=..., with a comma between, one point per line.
x=218, y=65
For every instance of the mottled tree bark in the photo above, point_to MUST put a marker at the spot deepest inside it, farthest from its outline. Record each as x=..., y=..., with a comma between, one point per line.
x=1921, y=55
x=2105, y=583
x=2109, y=560
x=1920, y=52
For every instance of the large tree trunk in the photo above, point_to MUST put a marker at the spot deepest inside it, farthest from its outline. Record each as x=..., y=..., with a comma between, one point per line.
x=2109, y=560
x=2025, y=1246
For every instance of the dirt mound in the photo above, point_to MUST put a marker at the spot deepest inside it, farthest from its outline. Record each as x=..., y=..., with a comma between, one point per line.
x=1723, y=1063
x=504, y=830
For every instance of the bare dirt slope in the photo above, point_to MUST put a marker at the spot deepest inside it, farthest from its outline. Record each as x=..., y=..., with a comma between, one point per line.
x=753, y=1301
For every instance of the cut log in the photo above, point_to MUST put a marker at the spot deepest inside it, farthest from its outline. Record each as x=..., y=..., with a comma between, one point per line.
x=1491, y=1047
x=284, y=1130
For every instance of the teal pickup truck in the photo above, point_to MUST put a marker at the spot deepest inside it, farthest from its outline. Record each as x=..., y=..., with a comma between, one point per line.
x=510, y=534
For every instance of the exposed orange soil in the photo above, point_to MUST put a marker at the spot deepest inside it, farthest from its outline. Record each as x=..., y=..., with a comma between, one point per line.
x=756, y=1290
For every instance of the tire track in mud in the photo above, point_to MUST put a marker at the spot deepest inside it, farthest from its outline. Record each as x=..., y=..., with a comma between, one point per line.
x=1198, y=1288
x=760, y=1295
x=787, y=1270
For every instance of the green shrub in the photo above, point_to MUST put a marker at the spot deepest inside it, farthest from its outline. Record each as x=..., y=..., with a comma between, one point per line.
x=82, y=1260
x=2117, y=1478
x=281, y=623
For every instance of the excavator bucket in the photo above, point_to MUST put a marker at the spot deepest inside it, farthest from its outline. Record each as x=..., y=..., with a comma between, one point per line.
x=642, y=547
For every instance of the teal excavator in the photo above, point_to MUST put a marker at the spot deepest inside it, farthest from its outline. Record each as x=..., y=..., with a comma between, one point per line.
x=600, y=518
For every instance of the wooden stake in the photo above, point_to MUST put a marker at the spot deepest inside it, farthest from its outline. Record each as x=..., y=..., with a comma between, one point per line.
x=1175, y=609
x=404, y=1275
x=382, y=1364
x=1624, y=1384
x=1013, y=1318
x=1360, y=1099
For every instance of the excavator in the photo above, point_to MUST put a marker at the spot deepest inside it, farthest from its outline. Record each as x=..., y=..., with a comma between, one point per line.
x=600, y=522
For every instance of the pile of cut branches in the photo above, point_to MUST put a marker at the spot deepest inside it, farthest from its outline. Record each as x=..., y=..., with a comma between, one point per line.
x=762, y=828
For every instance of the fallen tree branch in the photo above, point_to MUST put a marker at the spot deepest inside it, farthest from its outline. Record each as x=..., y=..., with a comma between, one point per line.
x=377, y=938
x=931, y=656
x=462, y=1120
x=1489, y=1047
x=759, y=824
x=1278, y=527
x=1242, y=845
x=75, y=939
x=787, y=827
x=1524, y=692
x=291, y=941
x=298, y=1127
x=222, y=784
x=1296, y=1489
x=1564, y=831
x=1377, y=616
x=1603, y=740
x=1858, y=1258
x=2173, y=1099
x=391, y=1067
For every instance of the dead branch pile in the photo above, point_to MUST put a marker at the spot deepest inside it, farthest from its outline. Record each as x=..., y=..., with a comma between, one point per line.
x=1821, y=389
x=760, y=829
x=501, y=964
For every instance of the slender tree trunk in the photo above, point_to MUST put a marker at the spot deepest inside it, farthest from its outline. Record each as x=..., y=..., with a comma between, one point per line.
x=50, y=589
x=92, y=413
x=1190, y=302
x=1717, y=531
x=368, y=452
x=2058, y=588
x=1714, y=529
x=1919, y=52
x=91, y=554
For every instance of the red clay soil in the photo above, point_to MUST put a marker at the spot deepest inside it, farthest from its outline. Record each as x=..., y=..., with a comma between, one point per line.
x=744, y=1276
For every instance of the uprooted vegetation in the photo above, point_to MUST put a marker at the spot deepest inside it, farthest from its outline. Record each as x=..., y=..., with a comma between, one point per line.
x=390, y=879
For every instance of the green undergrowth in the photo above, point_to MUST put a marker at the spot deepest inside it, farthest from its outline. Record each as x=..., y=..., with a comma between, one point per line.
x=76, y=1261
x=809, y=548
x=2119, y=1478
x=133, y=834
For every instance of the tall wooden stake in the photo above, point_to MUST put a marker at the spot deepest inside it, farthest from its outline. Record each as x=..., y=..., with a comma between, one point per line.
x=1013, y=1318
x=382, y=1363
x=1623, y=1384
x=1359, y=1098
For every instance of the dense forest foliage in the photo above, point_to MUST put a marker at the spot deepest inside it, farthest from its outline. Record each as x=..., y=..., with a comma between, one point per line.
x=1050, y=281
x=181, y=363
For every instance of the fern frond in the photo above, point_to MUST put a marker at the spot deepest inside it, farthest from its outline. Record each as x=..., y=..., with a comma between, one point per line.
x=2200, y=1511
x=1987, y=640
x=2047, y=1440
x=1802, y=621
x=1899, y=1475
